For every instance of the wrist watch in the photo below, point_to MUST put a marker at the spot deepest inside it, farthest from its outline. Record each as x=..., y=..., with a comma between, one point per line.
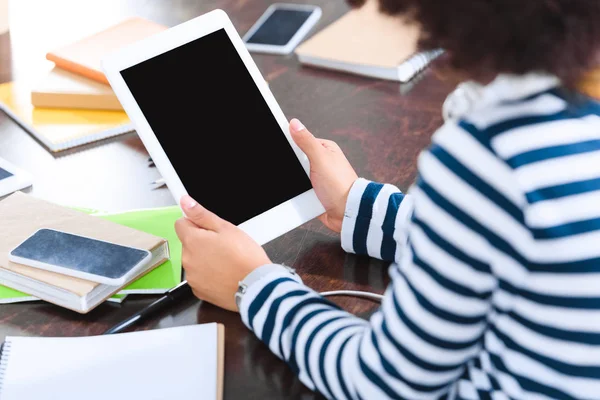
x=257, y=275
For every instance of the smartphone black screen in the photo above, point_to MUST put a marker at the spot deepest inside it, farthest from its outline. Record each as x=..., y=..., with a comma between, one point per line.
x=79, y=253
x=280, y=27
x=216, y=128
x=4, y=174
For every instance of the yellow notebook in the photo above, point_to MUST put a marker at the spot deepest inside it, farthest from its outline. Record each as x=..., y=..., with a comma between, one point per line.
x=61, y=129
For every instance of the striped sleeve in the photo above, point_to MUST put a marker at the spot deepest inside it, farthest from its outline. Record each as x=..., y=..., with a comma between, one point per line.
x=375, y=220
x=431, y=322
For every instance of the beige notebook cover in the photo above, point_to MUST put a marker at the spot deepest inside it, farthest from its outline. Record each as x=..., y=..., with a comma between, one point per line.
x=63, y=89
x=367, y=42
x=22, y=214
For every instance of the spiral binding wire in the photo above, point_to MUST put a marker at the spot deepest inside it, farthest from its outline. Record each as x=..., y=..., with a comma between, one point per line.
x=417, y=63
x=105, y=134
x=4, y=355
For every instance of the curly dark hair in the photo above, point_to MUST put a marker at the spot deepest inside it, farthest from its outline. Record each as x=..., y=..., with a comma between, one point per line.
x=484, y=37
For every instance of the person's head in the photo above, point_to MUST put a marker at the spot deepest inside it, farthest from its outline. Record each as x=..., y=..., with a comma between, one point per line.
x=487, y=37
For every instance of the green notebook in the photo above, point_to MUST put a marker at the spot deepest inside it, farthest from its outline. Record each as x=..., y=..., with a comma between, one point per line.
x=157, y=221
x=9, y=296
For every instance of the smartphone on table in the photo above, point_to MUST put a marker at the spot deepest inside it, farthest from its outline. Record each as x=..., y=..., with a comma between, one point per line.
x=80, y=256
x=281, y=28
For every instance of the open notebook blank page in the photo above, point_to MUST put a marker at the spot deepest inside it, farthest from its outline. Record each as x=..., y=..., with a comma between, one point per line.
x=172, y=363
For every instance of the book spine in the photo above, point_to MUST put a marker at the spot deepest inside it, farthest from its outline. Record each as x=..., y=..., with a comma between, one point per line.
x=77, y=68
x=76, y=101
x=4, y=356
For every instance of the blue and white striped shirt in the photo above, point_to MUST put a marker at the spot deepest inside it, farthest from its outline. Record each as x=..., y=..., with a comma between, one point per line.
x=495, y=274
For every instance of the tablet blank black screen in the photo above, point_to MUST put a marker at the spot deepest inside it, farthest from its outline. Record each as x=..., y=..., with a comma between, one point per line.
x=216, y=128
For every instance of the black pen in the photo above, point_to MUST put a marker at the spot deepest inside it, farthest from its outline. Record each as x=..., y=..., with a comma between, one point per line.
x=178, y=292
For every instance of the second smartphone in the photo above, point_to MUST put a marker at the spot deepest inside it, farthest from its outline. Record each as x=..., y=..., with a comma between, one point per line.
x=281, y=28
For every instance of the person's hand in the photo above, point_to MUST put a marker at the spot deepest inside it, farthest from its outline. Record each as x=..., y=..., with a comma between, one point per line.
x=331, y=174
x=216, y=254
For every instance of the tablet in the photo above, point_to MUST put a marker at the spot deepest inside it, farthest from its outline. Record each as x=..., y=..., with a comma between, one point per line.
x=212, y=126
x=13, y=178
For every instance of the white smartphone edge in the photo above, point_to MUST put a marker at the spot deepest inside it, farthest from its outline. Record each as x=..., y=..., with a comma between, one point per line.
x=19, y=180
x=78, y=274
x=300, y=34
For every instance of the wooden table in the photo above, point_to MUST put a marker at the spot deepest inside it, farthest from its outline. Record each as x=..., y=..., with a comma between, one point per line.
x=381, y=126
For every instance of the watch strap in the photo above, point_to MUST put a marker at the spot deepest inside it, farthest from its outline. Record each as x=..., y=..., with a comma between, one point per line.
x=257, y=275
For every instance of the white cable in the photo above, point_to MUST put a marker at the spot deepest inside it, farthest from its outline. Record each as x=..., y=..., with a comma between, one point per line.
x=354, y=293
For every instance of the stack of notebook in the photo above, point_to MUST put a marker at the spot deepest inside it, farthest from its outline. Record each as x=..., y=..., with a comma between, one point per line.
x=73, y=104
x=367, y=42
x=152, y=230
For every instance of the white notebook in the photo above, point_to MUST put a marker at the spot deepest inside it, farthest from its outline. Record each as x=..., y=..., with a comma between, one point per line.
x=182, y=363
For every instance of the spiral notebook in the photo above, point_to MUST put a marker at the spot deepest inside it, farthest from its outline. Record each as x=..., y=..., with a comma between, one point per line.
x=182, y=363
x=64, y=128
x=366, y=42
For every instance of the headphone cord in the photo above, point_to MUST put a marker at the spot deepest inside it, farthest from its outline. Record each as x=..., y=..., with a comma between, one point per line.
x=354, y=293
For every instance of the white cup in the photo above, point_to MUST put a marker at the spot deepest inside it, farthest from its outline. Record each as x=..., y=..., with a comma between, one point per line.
x=3, y=16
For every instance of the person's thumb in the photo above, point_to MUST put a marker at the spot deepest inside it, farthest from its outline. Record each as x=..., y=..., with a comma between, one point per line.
x=199, y=215
x=305, y=140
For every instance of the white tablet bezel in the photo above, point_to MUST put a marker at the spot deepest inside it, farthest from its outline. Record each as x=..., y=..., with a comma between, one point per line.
x=19, y=180
x=269, y=224
x=121, y=281
x=295, y=40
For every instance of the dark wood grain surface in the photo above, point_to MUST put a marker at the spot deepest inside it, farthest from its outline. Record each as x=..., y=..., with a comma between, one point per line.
x=381, y=126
